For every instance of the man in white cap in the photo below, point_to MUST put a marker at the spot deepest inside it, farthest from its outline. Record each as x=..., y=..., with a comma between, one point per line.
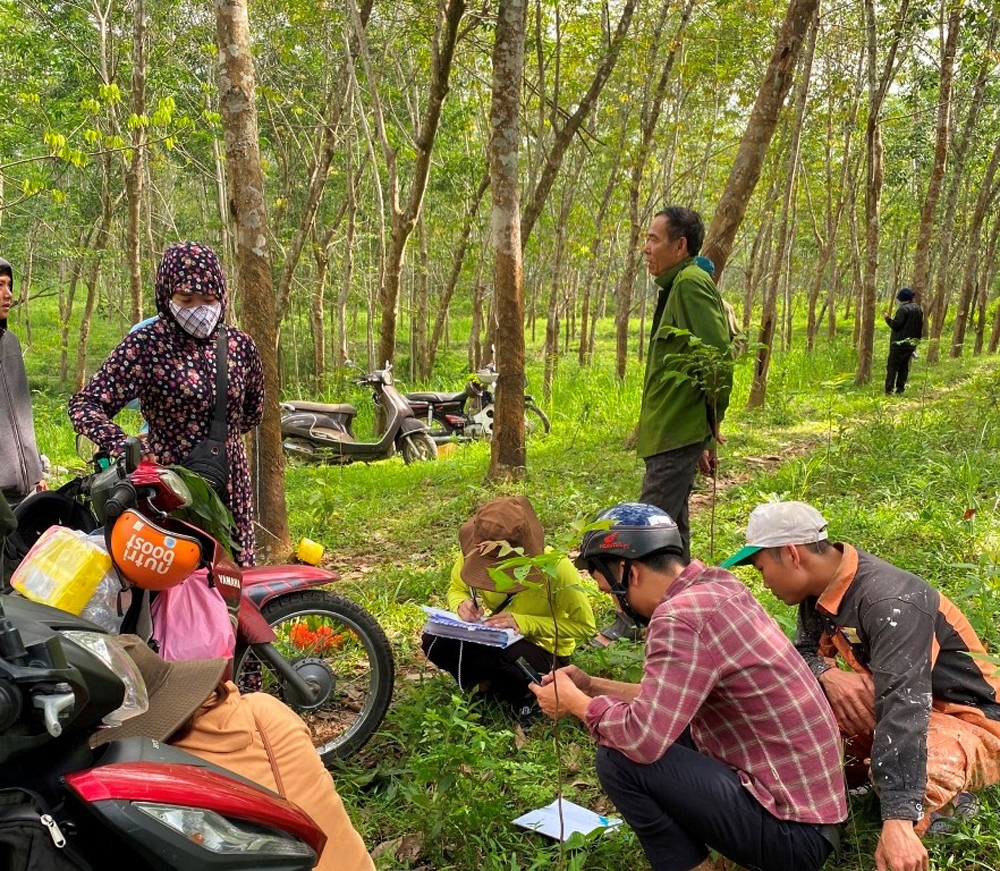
x=915, y=703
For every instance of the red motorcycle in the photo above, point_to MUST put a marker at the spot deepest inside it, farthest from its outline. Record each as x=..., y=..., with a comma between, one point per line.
x=133, y=803
x=322, y=654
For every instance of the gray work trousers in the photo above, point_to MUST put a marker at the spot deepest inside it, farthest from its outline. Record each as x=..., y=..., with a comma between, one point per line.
x=668, y=483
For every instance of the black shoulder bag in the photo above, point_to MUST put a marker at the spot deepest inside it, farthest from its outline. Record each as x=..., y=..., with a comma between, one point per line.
x=209, y=457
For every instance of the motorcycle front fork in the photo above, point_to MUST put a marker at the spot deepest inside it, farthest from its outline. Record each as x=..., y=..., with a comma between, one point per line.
x=306, y=693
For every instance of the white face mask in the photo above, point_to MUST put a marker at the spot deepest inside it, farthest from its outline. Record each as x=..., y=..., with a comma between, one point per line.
x=198, y=320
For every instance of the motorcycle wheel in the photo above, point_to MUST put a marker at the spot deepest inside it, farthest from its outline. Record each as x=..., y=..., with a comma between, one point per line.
x=336, y=643
x=535, y=420
x=416, y=446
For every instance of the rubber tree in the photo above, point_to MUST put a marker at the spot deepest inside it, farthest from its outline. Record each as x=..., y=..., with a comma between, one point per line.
x=508, y=453
x=245, y=185
x=749, y=160
x=878, y=87
x=403, y=216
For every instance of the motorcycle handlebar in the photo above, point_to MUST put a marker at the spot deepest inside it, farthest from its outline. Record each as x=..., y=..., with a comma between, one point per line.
x=123, y=496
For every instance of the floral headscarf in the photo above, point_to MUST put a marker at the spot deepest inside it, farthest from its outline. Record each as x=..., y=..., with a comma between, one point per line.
x=189, y=267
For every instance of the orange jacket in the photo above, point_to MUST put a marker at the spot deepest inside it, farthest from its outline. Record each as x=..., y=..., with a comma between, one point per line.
x=259, y=737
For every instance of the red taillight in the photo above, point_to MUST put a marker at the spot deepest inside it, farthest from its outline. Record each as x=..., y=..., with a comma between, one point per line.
x=454, y=419
x=190, y=786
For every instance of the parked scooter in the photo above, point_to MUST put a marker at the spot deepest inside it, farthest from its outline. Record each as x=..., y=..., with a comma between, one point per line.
x=322, y=654
x=468, y=414
x=324, y=432
x=133, y=803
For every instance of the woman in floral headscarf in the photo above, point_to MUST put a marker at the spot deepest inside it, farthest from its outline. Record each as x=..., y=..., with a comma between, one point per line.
x=170, y=366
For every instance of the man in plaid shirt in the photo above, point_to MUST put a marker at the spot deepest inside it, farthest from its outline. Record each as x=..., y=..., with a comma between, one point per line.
x=727, y=743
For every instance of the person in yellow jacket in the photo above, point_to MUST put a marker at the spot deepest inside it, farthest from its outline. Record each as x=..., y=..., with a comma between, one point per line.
x=551, y=630
x=254, y=735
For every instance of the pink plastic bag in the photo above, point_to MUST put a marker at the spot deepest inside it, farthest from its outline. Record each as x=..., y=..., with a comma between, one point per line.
x=191, y=621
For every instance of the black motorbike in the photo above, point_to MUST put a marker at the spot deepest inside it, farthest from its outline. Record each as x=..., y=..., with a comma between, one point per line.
x=323, y=432
x=468, y=414
x=134, y=803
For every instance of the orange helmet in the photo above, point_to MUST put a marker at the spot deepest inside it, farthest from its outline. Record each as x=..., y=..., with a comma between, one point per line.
x=150, y=556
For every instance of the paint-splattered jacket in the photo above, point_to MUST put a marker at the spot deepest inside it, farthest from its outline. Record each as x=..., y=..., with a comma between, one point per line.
x=915, y=644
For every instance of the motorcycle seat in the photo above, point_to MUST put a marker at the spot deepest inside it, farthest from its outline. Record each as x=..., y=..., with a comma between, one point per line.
x=437, y=397
x=322, y=407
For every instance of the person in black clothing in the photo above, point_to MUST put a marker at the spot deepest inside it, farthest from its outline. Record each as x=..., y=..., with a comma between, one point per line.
x=907, y=327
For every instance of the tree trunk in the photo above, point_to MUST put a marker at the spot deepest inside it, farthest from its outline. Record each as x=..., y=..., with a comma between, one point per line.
x=135, y=173
x=987, y=193
x=93, y=274
x=453, y=276
x=245, y=182
x=319, y=172
x=877, y=88
x=758, y=391
x=343, y=351
x=403, y=220
x=928, y=214
x=566, y=133
x=650, y=113
x=760, y=128
x=508, y=456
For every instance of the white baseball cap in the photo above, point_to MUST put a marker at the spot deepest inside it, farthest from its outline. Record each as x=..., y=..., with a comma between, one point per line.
x=775, y=524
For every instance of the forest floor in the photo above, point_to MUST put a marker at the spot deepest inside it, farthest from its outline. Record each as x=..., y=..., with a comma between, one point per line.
x=913, y=479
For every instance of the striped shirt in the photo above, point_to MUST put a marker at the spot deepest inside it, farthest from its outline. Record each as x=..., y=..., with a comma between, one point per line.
x=717, y=662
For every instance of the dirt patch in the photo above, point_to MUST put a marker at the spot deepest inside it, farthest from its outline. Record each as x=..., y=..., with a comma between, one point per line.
x=746, y=468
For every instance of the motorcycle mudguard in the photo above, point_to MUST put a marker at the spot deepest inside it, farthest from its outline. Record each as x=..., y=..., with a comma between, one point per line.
x=261, y=584
x=251, y=627
x=411, y=424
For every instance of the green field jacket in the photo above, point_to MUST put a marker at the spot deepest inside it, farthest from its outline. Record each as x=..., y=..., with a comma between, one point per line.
x=678, y=388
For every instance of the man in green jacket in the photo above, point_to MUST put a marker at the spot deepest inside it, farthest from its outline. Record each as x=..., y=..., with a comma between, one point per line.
x=687, y=384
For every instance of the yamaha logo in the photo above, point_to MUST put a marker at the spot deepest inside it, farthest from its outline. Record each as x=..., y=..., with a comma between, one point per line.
x=228, y=580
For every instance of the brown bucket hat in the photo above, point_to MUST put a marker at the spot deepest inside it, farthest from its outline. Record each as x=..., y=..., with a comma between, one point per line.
x=508, y=519
x=176, y=690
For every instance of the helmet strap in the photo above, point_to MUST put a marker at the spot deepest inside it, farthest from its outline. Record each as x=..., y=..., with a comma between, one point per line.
x=619, y=588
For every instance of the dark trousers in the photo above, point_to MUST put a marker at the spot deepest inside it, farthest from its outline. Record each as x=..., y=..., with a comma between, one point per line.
x=668, y=483
x=685, y=803
x=897, y=369
x=471, y=664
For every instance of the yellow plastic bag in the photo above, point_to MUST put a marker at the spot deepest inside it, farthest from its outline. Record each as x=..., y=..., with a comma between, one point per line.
x=62, y=569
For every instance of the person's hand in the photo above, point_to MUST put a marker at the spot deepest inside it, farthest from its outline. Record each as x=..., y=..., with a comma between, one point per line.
x=899, y=848
x=558, y=695
x=707, y=461
x=503, y=620
x=717, y=435
x=852, y=697
x=580, y=678
x=469, y=611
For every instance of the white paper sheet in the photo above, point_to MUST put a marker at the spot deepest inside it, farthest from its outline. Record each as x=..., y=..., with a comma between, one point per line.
x=575, y=819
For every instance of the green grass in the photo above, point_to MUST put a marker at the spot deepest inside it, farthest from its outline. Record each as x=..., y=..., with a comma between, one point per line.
x=913, y=479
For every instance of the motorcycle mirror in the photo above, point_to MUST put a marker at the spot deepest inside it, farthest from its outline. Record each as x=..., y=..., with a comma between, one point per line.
x=85, y=448
x=133, y=453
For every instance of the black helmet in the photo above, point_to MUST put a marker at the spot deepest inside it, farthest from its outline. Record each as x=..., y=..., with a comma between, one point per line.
x=637, y=531
x=40, y=511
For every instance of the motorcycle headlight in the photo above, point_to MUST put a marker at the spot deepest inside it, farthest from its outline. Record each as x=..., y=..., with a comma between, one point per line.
x=107, y=649
x=175, y=484
x=217, y=834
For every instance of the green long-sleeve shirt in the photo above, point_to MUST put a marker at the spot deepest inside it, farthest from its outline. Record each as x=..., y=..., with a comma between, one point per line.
x=676, y=406
x=530, y=608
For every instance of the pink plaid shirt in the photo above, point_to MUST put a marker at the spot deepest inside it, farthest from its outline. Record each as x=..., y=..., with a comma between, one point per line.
x=715, y=660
